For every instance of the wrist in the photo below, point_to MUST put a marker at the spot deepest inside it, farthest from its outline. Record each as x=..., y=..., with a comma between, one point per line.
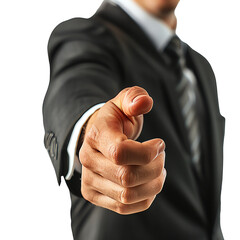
x=89, y=123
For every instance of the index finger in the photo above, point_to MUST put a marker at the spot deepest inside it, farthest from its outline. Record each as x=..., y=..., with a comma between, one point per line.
x=114, y=145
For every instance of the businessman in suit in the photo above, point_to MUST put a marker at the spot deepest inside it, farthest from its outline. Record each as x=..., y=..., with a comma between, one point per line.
x=108, y=73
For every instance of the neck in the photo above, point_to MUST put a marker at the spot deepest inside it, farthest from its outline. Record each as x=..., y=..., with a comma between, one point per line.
x=167, y=15
x=170, y=20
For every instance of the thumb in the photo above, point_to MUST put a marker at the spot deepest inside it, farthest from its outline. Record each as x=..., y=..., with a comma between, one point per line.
x=133, y=101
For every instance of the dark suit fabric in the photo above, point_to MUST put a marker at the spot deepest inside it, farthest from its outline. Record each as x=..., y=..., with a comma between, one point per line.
x=91, y=60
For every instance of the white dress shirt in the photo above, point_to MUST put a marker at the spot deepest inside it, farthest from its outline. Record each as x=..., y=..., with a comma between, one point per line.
x=157, y=31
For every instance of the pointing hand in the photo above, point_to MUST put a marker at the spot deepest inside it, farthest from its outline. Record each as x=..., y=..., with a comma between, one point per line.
x=119, y=173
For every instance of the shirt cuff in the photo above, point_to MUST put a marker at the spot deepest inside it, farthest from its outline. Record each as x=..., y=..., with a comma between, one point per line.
x=74, y=161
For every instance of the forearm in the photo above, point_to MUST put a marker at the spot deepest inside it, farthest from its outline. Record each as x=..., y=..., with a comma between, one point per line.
x=82, y=74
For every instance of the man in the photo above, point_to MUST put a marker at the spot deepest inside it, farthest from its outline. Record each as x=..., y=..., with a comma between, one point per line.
x=106, y=73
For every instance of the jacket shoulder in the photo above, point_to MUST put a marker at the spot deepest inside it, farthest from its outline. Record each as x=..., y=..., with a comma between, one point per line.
x=201, y=59
x=80, y=29
x=74, y=26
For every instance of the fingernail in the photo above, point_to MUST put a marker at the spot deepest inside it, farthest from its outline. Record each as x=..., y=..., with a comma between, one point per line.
x=161, y=147
x=137, y=98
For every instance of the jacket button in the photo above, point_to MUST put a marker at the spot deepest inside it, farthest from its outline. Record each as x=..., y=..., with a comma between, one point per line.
x=47, y=139
x=53, y=149
x=50, y=142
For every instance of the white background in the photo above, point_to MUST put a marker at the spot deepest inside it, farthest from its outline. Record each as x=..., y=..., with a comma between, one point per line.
x=32, y=206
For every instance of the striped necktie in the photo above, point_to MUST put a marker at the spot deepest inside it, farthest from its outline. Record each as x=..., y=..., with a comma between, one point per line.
x=186, y=90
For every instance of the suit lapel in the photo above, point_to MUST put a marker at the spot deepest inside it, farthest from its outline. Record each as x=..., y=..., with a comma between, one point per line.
x=115, y=15
x=209, y=104
x=119, y=18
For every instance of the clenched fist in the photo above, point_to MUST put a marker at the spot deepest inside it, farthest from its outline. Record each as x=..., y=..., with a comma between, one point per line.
x=119, y=173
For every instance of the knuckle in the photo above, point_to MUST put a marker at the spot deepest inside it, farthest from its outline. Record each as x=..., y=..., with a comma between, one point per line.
x=86, y=195
x=146, y=204
x=126, y=196
x=85, y=159
x=121, y=208
x=120, y=175
x=92, y=134
x=126, y=176
x=113, y=152
x=86, y=180
x=116, y=152
x=159, y=185
x=90, y=196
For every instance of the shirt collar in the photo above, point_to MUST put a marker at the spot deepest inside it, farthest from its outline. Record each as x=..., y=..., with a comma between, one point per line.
x=157, y=30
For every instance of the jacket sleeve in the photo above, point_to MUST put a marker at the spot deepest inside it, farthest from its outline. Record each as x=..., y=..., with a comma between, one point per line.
x=84, y=71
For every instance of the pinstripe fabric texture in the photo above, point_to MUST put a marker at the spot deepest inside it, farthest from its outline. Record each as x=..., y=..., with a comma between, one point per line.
x=186, y=89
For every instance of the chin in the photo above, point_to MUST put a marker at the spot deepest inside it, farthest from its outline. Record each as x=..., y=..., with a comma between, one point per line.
x=161, y=7
x=166, y=5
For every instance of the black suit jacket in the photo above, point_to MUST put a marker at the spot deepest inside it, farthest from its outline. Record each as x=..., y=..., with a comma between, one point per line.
x=91, y=60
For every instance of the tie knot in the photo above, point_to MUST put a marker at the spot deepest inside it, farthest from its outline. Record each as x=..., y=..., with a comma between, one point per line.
x=174, y=50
